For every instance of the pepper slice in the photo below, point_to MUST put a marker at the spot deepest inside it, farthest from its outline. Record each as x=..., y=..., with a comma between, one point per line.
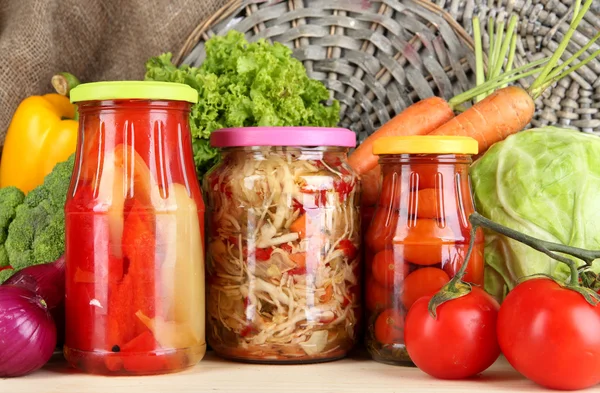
x=139, y=240
x=138, y=355
x=120, y=325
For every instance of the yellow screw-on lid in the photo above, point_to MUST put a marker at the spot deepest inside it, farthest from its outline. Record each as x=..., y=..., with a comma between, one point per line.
x=129, y=90
x=427, y=144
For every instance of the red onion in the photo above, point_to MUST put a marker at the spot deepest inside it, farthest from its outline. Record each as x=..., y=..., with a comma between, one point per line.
x=46, y=280
x=27, y=331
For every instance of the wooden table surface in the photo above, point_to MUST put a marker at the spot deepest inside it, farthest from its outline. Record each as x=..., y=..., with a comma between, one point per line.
x=352, y=375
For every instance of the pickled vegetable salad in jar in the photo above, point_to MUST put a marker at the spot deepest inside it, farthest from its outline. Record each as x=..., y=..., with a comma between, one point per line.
x=283, y=263
x=134, y=233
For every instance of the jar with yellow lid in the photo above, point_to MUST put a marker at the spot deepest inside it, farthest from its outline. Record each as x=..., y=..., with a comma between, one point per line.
x=419, y=234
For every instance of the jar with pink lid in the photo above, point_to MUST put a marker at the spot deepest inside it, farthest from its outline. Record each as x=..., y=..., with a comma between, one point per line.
x=283, y=261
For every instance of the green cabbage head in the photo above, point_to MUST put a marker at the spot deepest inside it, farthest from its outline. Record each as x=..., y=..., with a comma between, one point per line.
x=545, y=183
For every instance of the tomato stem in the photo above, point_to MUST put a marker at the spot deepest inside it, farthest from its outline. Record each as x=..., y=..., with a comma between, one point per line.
x=456, y=288
x=463, y=269
x=543, y=246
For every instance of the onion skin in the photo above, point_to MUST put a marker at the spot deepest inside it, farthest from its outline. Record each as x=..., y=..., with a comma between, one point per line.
x=46, y=280
x=27, y=332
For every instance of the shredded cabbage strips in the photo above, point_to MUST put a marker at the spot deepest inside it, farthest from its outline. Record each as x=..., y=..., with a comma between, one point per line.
x=277, y=292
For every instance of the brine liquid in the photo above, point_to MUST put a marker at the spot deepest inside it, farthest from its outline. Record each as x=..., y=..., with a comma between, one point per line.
x=411, y=281
x=134, y=220
x=120, y=307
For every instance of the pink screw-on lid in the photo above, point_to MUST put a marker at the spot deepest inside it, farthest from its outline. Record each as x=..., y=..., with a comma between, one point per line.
x=283, y=136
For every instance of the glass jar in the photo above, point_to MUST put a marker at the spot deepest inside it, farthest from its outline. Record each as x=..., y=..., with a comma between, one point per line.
x=134, y=232
x=419, y=234
x=283, y=264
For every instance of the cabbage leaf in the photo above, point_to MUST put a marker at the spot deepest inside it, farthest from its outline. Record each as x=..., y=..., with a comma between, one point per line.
x=545, y=183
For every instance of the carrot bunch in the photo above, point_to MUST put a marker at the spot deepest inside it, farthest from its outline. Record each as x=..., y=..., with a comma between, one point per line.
x=498, y=109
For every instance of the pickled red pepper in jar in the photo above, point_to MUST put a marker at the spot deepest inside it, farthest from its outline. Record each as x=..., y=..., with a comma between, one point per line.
x=134, y=232
x=283, y=264
x=419, y=234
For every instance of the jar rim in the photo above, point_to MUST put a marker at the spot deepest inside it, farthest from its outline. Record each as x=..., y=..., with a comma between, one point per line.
x=425, y=144
x=129, y=90
x=283, y=136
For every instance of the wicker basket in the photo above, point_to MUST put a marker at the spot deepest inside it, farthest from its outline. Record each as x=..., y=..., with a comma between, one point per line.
x=575, y=101
x=376, y=57
x=379, y=56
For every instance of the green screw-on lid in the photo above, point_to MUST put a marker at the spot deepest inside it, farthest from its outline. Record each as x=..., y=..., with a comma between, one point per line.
x=126, y=90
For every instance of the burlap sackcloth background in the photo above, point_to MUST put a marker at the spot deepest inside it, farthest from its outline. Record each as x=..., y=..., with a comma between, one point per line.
x=93, y=39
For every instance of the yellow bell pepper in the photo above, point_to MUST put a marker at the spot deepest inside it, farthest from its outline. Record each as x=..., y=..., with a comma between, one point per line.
x=41, y=134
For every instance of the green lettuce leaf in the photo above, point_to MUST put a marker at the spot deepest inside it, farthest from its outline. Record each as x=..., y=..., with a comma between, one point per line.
x=243, y=84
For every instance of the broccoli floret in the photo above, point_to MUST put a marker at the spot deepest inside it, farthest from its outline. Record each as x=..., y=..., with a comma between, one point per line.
x=6, y=274
x=37, y=233
x=10, y=198
x=3, y=257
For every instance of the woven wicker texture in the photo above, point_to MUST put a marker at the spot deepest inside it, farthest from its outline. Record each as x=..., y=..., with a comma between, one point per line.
x=575, y=101
x=376, y=57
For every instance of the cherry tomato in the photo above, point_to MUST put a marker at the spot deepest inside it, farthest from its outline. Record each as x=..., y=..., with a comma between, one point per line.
x=389, y=327
x=382, y=229
x=549, y=334
x=457, y=255
x=422, y=282
x=424, y=243
x=388, y=268
x=434, y=175
x=460, y=342
x=377, y=296
x=434, y=203
x=391, y=189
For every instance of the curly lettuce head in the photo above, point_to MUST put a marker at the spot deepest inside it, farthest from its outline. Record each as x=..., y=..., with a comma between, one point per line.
x=545, y=183
x=243, y=84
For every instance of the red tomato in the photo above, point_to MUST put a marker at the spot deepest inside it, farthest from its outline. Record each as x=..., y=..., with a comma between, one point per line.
x=457, y=255
x=460, y=342
x=550, y=335
x=424, y=243
x=389, y=327
x=388, y=268
x=422, y=282
x=377, y=296
x=382, y=229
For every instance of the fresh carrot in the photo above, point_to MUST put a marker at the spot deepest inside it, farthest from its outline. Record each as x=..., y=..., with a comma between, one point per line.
x=499, y=110
x=299, y=226
x=508, y=110
x=497, y=116
x=371, y=184
x=418, y=119
x=299, y=259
